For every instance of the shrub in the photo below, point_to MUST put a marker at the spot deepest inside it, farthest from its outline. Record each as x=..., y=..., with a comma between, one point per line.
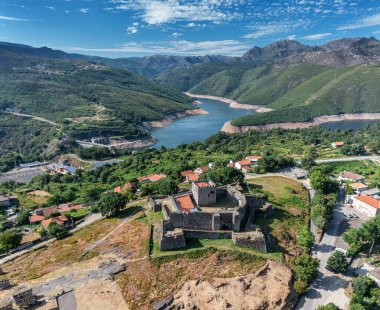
x=301, y=287
x=362, y=285
x=329, y=306
x=338, y=262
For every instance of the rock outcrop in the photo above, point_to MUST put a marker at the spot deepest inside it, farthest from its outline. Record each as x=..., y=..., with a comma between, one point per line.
x=270, y=289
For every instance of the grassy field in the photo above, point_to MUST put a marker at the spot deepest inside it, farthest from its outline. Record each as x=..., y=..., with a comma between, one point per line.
x=290, y=201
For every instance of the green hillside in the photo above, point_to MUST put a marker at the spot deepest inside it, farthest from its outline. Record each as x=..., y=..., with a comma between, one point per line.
x=335, y=91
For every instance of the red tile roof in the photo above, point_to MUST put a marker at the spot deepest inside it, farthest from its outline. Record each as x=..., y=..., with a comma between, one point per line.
x=128, y=185
x=358, y=185
x=247, y=168
x=192, y=177
x=338, y=143
x=152, y=177
x=187, y=172
x=68, y=207
x=36, y=218
x=204, y=168
x=244, y=162
x=203, y=184
x=185, y=203
x=60, y=220
x=373, y=202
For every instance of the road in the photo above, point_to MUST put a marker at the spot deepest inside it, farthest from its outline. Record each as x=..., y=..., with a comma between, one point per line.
x=329, y=287
x=37, y=118
x=344, y=159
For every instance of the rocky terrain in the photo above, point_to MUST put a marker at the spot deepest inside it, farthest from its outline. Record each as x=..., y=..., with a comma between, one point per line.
x=270, y=288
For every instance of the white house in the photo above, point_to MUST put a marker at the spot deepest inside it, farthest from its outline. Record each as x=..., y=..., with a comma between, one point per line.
x=368, y=205
x=242, y=163
x=359, y=187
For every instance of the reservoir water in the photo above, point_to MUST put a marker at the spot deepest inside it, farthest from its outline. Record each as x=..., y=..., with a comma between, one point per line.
x=197, y=127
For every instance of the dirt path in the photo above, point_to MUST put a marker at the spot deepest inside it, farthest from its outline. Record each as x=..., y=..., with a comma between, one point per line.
x=37, y=118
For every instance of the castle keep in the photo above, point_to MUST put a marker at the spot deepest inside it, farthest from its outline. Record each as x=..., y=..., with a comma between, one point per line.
x=211, y=212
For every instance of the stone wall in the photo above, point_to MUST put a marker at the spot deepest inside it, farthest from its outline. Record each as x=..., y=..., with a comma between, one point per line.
x=205, y=195
x=171, y=238
x=154, y=204
x=201, y=234
x=252, y=239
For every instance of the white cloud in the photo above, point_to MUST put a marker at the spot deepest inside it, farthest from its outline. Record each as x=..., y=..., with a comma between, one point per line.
x=318, y=36
x=176, y=47
x=274, y=28
x=370, y=21
x=176, y=34
x=2, y=17
x=133, y=29
x=155, y=12
x=52, y=8
x=84, y=10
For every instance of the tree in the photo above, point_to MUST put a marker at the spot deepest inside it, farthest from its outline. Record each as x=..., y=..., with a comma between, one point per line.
x=357, y=307
x=306, y=238
x=352, y=237
x=362, y=285
x=319, y=181
x=329, y=306
x=57, y=231
x=338, y=262
x=23, y=218
x=111, y=204
x=306, y=268
x=307, y=162
x=301, y=287
x=224, y=175
x=167, y=186
x=9, y=240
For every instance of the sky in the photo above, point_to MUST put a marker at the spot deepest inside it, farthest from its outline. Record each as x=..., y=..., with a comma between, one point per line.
x=124, y=28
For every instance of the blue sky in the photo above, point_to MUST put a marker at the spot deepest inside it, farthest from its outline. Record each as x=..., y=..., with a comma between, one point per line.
x=121, y=28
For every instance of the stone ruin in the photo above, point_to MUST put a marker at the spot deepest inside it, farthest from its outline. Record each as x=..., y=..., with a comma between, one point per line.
x=211, y=212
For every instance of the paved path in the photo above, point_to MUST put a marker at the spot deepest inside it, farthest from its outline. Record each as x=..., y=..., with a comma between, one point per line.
x=344, y=159
x=328, y=287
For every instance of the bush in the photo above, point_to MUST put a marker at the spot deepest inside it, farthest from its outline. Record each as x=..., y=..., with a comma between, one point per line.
x=329, y=306
x=338, y=262
x=306, y=238
x=301, y=287
x=57, y=231
x=362, y=285
x=23, y=218
x=111, y=204
x=306, y=268
x=9, y=241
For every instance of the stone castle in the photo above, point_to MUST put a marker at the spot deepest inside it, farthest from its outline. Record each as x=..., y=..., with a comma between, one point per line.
x=211, y=212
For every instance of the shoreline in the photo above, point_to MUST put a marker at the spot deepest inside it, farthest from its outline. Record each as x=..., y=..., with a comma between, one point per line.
x=173, y=117
x=232, y=103
x=229, y=128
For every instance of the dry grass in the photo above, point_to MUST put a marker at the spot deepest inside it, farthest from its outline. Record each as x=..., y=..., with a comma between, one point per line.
x=145, y=282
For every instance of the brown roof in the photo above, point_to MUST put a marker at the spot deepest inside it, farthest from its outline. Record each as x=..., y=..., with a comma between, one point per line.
x=192, y=177
x=358, y=185
x=187, y=172
x=338, y=143
x=244, y=162
x=352, y=176
x=60, y=220
x=152, y=177
x=36, y=218
x=185, y=203
x=203, y=184
x=373, y=202
x=253, y=157
x=47, y=211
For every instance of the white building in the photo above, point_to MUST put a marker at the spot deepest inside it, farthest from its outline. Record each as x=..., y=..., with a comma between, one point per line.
x=368, y=205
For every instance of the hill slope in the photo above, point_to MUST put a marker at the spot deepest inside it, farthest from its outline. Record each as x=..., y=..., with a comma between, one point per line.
x=85, y=99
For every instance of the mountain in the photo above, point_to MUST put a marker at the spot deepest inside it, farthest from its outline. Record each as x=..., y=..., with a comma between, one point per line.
x=80, y=99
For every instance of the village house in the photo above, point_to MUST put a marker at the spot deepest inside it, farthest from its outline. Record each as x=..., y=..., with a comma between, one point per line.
x=351, y=176
x=368, y=205
x=375, y=275
x=8, y=202
x=40, y=214
x=359, y=187
x=59, y=220
x=63, y=169
x=337, y=144
x=151, y=178
x=24, y=298
x=126, y=186
x=200, y=170
x=254, y=159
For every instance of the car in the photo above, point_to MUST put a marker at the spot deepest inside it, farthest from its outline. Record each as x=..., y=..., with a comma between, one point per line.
x=354, y=216
x=347, y=215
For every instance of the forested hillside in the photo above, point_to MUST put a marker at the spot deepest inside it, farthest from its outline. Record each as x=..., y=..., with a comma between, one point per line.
x=83, y=99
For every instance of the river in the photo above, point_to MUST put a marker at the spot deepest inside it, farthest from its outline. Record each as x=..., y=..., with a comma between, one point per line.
x=199, y=127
